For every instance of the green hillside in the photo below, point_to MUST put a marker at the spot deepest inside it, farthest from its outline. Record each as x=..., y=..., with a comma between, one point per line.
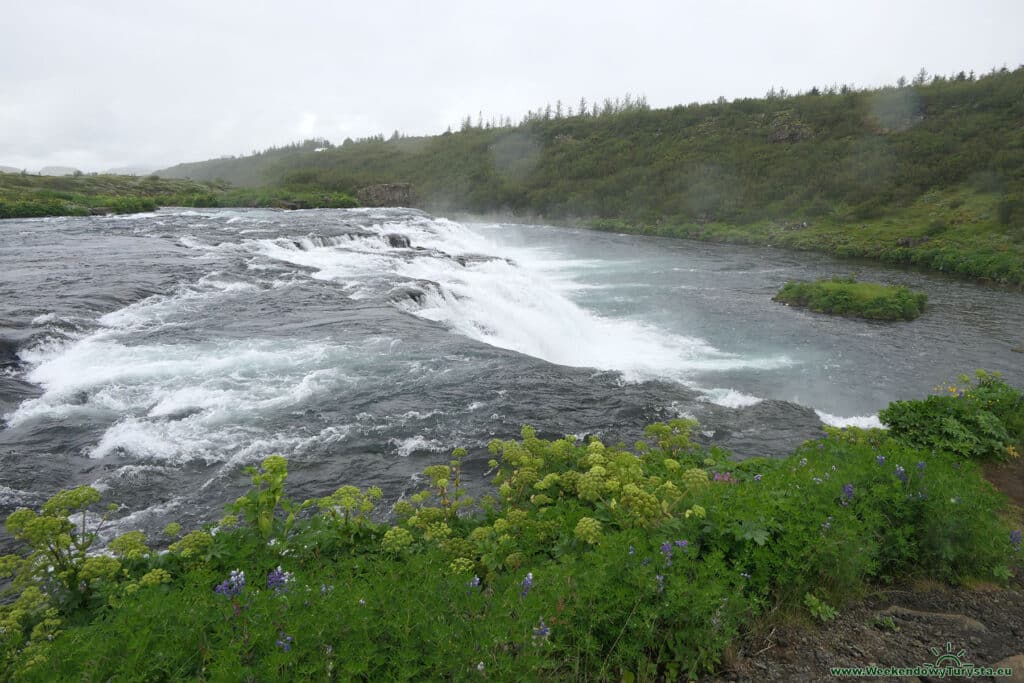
x=26, y=196
x=925, y=173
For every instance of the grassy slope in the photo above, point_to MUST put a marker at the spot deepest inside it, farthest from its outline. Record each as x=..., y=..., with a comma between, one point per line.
x=870, y=172
x=27, y=195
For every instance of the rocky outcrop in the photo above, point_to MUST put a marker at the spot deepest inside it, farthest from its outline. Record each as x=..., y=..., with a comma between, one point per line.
x=388, y=194
x=787, y=128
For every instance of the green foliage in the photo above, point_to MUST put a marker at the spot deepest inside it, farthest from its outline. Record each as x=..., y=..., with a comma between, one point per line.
x=979, y=419
x=819, y=609
x=259, y=507
x=930, y=175
x=598, y=563
x=845, y=296
x=33, y=196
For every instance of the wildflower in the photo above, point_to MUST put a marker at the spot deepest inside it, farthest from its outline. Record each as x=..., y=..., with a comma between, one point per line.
x=745, y=575
x=325, y=589
x=278, y=580
x=682, y=544
x=362, y=603
x=284, y=641
x=588, y=530
x=827, y=524
x=880, y=460
x=847, y=494
x=803, y=462
x=816, y=480
x=1015, y=539
x=527, y=584
x=757, y=477
x=480, y=667
x=632, y=550
x=920, y=465
x=666, y=550
x=472, y=583
x=901, y=473
x=541, y=633
x=661, y=582
x=233, y=585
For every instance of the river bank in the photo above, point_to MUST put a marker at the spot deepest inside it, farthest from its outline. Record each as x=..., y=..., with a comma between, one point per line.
x=953, y=232
x=30, y=196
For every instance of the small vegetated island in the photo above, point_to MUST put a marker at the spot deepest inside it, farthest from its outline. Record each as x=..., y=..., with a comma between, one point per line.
x=846, y=296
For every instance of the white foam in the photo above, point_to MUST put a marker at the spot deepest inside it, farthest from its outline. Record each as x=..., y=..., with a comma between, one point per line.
x=862, y=421
x=730, y=398
x=14, y=497
x=406, y=447
x=44, y=319
x=512, y=298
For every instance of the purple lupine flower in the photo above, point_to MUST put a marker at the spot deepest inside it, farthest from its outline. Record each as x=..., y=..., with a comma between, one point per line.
x=527, y=584
x=472, y=583
x=278, y=579
x=920, y=465
x=1015, y=539
x=325, y=589
x=901, y=474
x=682, y=544
x=847, y=494
x=666, y=550
x=284, y=641
x=757, y=477
x=542, y=631
x=880, y=460
x=646, y=561
x=233, y=585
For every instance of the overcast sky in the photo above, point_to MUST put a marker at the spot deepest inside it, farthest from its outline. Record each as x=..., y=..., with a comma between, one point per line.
x=97, y=84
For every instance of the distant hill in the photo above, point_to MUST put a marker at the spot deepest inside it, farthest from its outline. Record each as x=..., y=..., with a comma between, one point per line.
x=9, y=169
x=845, y=152
x=130, y=170
x=58, y=170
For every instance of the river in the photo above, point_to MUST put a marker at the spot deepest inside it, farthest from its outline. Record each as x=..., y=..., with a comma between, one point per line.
x=154, y=356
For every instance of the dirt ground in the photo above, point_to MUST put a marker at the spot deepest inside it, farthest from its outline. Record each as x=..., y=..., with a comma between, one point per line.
x=899, y=627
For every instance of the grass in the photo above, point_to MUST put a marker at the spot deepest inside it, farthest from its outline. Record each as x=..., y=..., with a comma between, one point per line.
x=848, y=297
x=955, y=231
x=26, y=196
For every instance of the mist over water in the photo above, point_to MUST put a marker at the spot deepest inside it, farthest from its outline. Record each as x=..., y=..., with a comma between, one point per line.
x=154, y=356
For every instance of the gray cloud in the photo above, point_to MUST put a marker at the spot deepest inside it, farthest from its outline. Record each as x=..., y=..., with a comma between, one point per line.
x=104, y=83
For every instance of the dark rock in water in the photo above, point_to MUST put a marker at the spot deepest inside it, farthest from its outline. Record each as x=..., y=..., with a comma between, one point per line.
x=398, y=241
x=8, y=353
x=389, y=194
x=466, y=259
x=411, y=294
